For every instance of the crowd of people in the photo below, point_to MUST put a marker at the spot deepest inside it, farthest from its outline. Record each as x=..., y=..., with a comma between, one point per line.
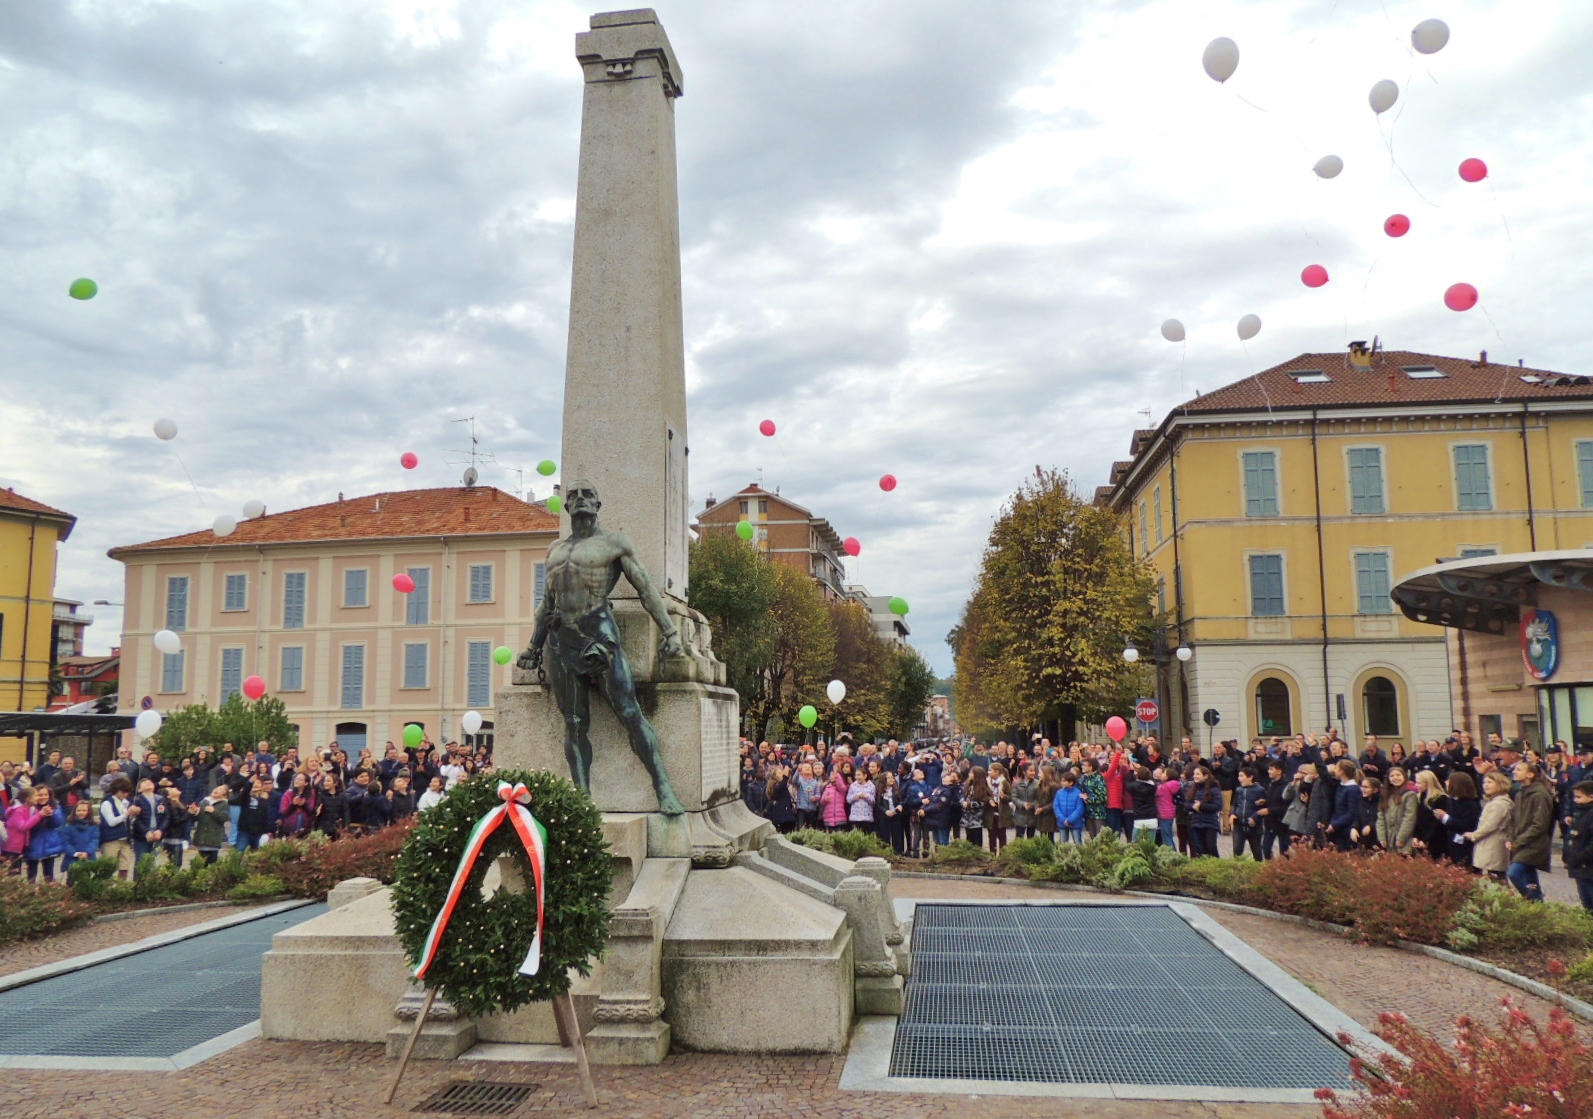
x=1494, y=808
x=53, y=814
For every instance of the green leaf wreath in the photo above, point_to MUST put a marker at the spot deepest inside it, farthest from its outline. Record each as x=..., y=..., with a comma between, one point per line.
x=477, y=965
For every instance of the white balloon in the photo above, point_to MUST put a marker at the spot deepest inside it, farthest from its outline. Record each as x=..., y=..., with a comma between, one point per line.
x=147, y=723
x=168, y=642
x=1429, y=36
x=1328, y=167
x=1249, y=327
x=471, y=722
x=1383, y=96
x=836, y=691
x=1173, y=330
x=1221, y=59
x=253, y=509
x=166, y=429
x=224, y=525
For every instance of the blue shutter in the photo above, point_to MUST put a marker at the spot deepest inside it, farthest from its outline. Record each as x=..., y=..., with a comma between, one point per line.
x=231, y=673
x=236, y=596
x=415, y=656
x=353, y=677
x=293, y=599
x=478, y=674
x=1372, y=583
x=355, y=581
x=1584, y=468
x=171, y=671
x=177, y=604
x=1366, y=480
x=480, y=582
x=417, y=607
x=1261, y=484
x=539, y=586
x=292, y=677
x=1266, y=586
x=1471, y=477
x=1158, y=499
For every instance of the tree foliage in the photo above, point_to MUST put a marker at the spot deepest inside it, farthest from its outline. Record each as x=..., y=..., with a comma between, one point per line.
x=1058, y=592
x=734, y=588
x=242, y=722
x=912, y=683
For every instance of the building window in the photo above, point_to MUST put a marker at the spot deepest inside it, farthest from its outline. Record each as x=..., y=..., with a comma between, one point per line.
x=353, y=677
x=293, y=584
x=417, y=608
x=1272, y=707
x=1380, y=706
x=236, y=595
x=171, y=671
x=415, y=658
x=743, y=508
x=1261, y=483
x=480, y=582
x=478, y=673
x=351, y=738
x=1266, y=586
x=177, y=604
x=1366, y=480
x=356, y=588
x=1156, y=502
x=1161, y=596
x=1477, y=553
x=1584, y=471
x=539, y=585
x=291, y=678
x=1472, y=490
x=1372, y=583
x=1144, y=526
x=231, y=673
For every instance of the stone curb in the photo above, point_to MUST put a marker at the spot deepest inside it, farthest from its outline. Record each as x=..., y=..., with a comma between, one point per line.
x=1576, y=1006
x=190, y=907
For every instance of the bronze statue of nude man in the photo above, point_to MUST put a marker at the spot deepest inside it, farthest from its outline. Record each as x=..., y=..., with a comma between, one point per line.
x=575, y=617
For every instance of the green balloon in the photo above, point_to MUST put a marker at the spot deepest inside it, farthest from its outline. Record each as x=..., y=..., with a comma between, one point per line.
x=547, y=468
x=744, y=530
x=503, y=654
x=555, y=504
x=808, y=715
x=899, y=606
x=413, y=735
x=83, y=289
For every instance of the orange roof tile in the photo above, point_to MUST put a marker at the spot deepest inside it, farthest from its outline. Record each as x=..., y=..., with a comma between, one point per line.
x=482, y=510
x=14, y=501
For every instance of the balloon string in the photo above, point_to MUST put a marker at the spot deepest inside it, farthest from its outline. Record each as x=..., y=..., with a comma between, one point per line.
x=199, y=496
x=1256, y=376
x=1503, y=220
x=1183, y=353
x=1481, y=306
x=1247, y=101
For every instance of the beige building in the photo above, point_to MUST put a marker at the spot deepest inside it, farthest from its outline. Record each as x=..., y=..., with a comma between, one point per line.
x=784, y=532
x=305, y=600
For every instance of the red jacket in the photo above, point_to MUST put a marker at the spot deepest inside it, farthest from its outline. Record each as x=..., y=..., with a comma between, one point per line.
x=1114, y=782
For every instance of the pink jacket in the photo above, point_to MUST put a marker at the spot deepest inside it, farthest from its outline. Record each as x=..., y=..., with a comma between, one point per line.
x=20, y=822
x=1167, y=800
x=834, y=800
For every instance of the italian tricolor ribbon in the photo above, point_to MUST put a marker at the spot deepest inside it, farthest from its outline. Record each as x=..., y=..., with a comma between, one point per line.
x=535, y=838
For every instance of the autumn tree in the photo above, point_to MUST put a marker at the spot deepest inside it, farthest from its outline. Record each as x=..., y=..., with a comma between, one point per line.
x=734, y=587
x=867, y=667
x=1058, y=592
x=912, y=683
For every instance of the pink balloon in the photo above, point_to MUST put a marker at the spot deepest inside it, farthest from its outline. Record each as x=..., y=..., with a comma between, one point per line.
x=1397, y=226
x=1473, y=170
x=1116, y=728
x=402, y=583
x=1460, y=297
x=254, y=687
x=887, y=482
x=409, y=460
x=767, y=427
x=852, y=546
x=1314, y=276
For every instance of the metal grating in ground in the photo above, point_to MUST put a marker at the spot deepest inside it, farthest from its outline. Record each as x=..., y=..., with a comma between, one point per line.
x=157, y=1003
x=479, y=1097
x=1095, y=995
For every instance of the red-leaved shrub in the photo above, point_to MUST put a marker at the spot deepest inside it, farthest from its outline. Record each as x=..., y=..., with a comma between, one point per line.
x=1383, y=897
x=1525, y=1069
x=323, y=865
x=1319, y=884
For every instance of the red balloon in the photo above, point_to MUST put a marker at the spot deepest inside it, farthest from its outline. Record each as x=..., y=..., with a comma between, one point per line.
x=1314, y=276
x=1116, y=728
x=767, y=427
x=887, y=482
x=254, y=687
x=1473, y=170
x=402, y=583
x=852, y=546
x=1397, y=226
x=409, y=460
x=1460, y=297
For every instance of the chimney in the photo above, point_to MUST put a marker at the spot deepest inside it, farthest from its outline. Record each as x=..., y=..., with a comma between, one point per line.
x=1393, y=382
x=340, y=495
x=378, y=508
x=709, y=504
x=1482, y=358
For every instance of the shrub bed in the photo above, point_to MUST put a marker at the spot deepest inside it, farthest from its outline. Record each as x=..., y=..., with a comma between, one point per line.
x=851, y=845
x=27, y=909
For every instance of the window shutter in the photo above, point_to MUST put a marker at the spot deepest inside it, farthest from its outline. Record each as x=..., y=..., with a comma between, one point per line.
x=293, y=584
x=353, y=676
x=177, y=603
x=479, y=674
x=417, y=608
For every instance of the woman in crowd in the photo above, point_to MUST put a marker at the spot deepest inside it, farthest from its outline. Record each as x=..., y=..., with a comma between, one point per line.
x=1459, y=818
x=1092, y=786
x=80, y=836
x=807, y=791
x=998, y=812
x=179, y=823
x=1167, y=789
x=1431, y=838
x=209, y=833
x=941, y=807
x=1396, y=756
x=296, y=809
x=331, y=806
x=254, y=816
x=860, y=799
x=1204, y=799
x=44, y=842
x=833, y=800
x=780, y=809
x=754, y=779
x=1024, y=793
x=1531, y=830
x=1490, y=838
x=975, y=804
x=25, y=813
x=1397, y=812
x=889, y=816
x=1142, y=801
x=1045, y=801
x=1344, y=826
x=1297, y=803
x=1324, y=802
x=1368, y=813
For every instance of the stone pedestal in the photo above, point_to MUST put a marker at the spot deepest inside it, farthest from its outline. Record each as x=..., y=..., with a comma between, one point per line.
x=336, y=977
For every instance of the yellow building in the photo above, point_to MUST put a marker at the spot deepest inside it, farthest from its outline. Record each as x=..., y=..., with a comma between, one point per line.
x=305, y=600
x=1280, y=511
x=29, y=535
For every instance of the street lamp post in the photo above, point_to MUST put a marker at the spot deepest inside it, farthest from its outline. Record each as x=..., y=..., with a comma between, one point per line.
x=1162, y=653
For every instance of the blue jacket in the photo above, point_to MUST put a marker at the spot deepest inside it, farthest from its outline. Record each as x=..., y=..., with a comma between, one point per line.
x=1205, y=806
x=44, y=842
x=1346, y=806
x=114, y=821
x=1068, y=805
x=79, y=836
x=1246, y=799
x=941, y=805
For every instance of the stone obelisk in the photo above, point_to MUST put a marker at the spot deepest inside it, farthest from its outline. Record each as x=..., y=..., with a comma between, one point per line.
x=625, y=373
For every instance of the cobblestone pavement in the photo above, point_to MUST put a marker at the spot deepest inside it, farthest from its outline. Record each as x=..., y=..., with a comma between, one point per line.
x=93, y=937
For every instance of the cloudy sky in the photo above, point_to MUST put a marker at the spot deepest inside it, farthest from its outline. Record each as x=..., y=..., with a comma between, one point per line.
x=934, y=239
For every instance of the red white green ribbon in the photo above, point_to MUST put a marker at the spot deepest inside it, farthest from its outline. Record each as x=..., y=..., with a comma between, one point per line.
x=535, y=839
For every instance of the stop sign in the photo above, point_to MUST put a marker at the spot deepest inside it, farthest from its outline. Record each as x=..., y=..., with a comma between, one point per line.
x=1147, y=711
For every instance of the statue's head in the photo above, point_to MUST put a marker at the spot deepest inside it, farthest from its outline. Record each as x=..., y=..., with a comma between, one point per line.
x=581, y=498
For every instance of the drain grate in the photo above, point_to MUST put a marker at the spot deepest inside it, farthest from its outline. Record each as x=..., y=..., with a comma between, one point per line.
x=479, y=1097
x=1095, y=994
